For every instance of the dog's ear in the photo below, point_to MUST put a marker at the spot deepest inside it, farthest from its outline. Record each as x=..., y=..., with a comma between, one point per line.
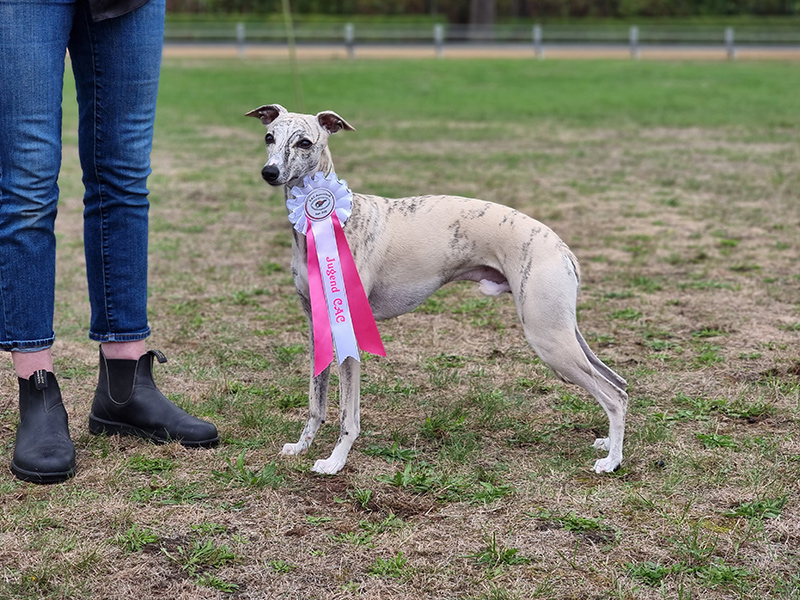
x=331, y=122
x=267, y=113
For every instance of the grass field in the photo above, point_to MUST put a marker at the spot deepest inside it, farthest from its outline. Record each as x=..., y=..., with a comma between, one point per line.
x=678, y=188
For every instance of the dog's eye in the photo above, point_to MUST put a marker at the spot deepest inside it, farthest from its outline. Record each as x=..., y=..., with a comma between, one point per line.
x=305, y=144
x=269, y=139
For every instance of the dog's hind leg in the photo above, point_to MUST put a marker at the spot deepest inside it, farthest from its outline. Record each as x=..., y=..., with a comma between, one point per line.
x=610, y=375
x=350, y=419
x=317, y=407
x=548, y=318
x=564, y=355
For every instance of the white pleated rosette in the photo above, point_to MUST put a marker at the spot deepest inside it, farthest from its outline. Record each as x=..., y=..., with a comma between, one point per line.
x=310, y=200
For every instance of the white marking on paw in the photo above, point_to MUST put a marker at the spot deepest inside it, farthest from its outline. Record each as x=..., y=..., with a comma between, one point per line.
x=329, y=466
x=606, y=465
x=602, y=444
x=293, y=449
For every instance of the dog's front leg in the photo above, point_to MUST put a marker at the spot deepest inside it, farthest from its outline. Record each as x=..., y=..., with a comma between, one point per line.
x=349, y=389
x=317, y=406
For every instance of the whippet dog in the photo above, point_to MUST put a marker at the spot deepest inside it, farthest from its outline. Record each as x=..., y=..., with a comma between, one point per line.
x=405, y=249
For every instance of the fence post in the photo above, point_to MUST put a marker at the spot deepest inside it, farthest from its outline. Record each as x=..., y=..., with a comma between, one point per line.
x=438, y=39
x=240, y=39
x=634, y=41
x=349, y=39
x=537, y=41
x=729, y=47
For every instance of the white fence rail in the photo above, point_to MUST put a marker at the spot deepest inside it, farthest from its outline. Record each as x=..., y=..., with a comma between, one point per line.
x=439, y=36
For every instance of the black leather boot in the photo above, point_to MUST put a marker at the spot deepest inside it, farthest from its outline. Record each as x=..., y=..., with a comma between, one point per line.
x=128, y=402
x=44, y=452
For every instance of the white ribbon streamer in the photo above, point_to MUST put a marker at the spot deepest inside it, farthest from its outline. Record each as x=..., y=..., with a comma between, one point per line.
x=344, y=336
x=317, y=209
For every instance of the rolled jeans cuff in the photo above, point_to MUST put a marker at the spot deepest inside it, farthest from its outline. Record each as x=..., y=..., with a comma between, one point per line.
x=133, y=336
x=28, y=345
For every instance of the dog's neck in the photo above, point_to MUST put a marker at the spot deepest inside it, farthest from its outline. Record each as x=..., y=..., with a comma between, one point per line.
x=325, y=165
x=325, y=162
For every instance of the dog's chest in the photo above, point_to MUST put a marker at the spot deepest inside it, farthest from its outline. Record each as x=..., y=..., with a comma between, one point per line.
x=300, y=263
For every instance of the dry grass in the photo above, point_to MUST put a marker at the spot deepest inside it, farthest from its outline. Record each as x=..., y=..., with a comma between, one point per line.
x=689, y=249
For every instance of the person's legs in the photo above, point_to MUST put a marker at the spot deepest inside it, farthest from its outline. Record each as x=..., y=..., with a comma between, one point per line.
x=27, y=363
x=116, y=65
x=33, y=39
x=124, y=350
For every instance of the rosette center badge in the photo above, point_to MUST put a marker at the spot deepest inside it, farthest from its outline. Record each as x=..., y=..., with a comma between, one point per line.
x=320, y=204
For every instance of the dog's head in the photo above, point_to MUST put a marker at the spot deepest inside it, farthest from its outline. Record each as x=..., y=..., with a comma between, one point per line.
x=297, y=144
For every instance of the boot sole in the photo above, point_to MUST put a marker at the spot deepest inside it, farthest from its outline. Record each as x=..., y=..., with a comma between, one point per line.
x=44, y=478
x=100, y=426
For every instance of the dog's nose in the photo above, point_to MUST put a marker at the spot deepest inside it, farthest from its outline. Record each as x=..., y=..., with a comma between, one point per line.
x=270, y=173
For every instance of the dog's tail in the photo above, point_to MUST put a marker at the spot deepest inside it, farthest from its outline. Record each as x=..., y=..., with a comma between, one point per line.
x=598, y=364
x=572, y=259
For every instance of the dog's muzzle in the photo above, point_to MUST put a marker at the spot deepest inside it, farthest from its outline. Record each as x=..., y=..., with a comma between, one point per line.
x=270, y=173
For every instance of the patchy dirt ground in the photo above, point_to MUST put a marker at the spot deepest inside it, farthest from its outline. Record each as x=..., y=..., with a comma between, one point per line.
x=472, y=477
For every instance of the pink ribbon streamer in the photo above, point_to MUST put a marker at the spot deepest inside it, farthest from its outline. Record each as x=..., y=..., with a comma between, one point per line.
x=369, y=339
x=323, y=341
x=355, y=326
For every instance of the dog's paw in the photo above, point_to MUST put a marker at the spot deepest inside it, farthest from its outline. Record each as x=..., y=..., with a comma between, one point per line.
x=329, y=466
x=602, y=444
x=293, y=449
x=606, y=465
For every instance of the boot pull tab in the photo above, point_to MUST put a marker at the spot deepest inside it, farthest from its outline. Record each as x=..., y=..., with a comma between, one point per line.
x=160, y=356
x=40, y=379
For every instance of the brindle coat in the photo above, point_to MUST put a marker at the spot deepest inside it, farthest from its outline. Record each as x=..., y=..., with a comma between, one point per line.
x=405, y=249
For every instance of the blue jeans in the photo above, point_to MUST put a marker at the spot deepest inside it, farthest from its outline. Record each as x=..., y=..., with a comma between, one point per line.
x=116, y=66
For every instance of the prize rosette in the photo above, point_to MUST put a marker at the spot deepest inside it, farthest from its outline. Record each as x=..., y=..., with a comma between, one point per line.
x=340, y=313
x=317, y=198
